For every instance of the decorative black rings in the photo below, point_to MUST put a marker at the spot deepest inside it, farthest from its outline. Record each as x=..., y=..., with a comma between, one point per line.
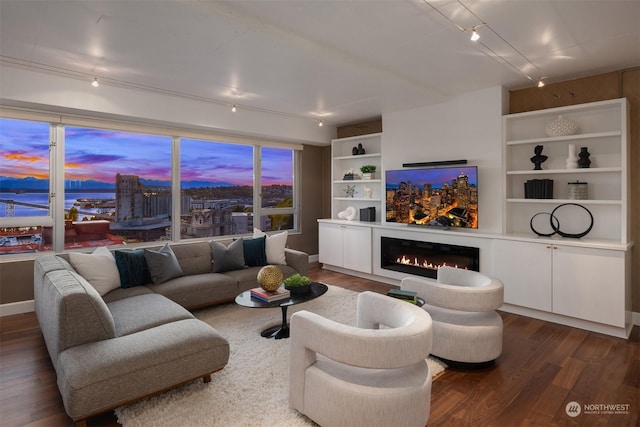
x=555, y=223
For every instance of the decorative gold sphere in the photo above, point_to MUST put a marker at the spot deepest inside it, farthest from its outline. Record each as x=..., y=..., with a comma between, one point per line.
x=270, y=277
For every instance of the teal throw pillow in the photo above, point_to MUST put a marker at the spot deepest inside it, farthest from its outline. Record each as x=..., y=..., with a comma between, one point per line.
x=255, y=251
x=133, y=268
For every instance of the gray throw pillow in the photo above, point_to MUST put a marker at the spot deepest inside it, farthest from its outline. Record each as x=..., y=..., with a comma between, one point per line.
x=163, y=264
x=226, y=258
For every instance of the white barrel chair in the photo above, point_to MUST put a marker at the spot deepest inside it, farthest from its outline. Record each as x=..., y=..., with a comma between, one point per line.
x=467, y=330
x=372, y=374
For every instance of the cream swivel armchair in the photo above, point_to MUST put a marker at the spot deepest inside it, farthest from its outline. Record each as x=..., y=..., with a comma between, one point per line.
x=462, y=304
x=364, y=375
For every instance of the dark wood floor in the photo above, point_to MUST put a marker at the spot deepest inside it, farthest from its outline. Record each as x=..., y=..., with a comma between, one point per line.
x=543, y=367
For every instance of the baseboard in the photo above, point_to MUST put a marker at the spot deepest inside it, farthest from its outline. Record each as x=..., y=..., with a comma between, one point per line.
x=314, y=258
x=635, y=318
x=16, y=308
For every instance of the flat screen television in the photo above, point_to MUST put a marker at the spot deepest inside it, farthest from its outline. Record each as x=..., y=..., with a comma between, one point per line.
x=437, y=197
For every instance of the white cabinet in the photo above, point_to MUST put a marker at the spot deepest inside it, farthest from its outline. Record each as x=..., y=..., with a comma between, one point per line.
x=525, y=270
x=582, y=283
x=603, y=130
x=358, y=192
x=590, y=284
x=347, y=246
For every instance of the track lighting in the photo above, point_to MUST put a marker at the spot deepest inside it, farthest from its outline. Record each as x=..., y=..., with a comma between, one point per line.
x=474, y=35
x=320, y=124
x=233, y=108
x=95, y=83
x=540, y=82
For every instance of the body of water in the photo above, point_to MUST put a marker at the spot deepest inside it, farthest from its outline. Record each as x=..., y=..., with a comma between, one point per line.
x=43, y=199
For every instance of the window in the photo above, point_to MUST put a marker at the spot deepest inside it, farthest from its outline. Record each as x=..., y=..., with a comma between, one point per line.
x=94, y=187
x=277, y=175
x=117, y=187
x=25, y=205
x=216, y=188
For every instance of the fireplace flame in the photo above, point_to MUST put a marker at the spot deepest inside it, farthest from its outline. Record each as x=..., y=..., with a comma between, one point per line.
x=424, y=264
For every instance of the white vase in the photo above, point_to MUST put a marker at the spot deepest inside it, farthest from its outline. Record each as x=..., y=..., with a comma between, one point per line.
x=561, y=127
x=572, y=160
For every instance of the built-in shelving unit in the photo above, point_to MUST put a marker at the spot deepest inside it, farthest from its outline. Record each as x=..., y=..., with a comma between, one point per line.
x=602, y=128
x=342, y=161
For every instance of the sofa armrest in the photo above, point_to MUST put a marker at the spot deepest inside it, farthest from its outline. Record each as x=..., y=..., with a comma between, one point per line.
x=297, y=260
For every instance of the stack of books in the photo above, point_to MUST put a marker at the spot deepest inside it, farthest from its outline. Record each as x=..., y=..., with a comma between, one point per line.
x=409, y=296
x=270, y=296
x=538, y=189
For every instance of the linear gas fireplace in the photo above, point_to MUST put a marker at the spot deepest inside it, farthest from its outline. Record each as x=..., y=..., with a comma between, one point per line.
x=424, y=258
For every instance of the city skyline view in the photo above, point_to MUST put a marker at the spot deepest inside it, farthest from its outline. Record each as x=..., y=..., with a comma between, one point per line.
x=98, y=155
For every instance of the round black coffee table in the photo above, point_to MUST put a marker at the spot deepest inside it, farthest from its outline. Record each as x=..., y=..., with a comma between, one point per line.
x=281, y=331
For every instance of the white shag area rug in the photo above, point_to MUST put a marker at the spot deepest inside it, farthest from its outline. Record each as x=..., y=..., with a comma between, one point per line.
x=252, y=390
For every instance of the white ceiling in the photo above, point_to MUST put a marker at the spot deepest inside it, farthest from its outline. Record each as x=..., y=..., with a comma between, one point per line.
x=337, y=60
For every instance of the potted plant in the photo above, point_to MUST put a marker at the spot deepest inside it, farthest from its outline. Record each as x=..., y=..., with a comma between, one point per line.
x=368, y=171
x=297, y=284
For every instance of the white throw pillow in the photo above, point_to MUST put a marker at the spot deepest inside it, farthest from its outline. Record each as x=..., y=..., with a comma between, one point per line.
x=275, y=246
x=98, y=268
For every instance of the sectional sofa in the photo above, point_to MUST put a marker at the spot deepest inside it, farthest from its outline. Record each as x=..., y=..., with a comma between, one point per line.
x=112, y=348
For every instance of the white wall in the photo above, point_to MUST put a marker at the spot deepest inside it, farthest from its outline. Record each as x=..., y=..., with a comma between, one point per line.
x=22, y=87
x=467, y=127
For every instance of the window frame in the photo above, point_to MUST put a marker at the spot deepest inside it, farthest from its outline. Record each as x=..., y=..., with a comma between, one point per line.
x=57, y=124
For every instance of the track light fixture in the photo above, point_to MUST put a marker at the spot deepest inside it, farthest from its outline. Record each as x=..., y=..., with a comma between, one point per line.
x=233, y=108
x=95, y=83
x=320, y=124
x=474, y=35
x=495, y=37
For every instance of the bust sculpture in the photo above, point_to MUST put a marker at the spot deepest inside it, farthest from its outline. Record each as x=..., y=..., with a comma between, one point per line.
x=539, y=158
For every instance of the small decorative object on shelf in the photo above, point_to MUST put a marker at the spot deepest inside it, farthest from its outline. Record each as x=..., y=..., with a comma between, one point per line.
x=538, y=189
x=270, y=277
x=539, y=158
x=368, y=171
x=348, y=214
x=368, y=214
x=348, y=176
x=572, y=160
x=554, y=223
x=360, y=149
x=367, y=192
x=578, y=190
x=354, y=151
x=298, y=284
x=583, y=160
x=561, y=127
x=350, y=190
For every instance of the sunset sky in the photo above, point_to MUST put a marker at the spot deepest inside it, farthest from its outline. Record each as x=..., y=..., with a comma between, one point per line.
x=99, y=154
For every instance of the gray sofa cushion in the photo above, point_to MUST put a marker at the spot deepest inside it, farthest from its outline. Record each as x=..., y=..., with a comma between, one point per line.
x=194, y=257
x=145, y=311
x=163, y=264
x=199, y=290
x=123, y=293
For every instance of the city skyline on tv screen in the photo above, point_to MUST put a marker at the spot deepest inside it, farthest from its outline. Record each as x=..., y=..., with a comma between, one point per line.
x=439, y=197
